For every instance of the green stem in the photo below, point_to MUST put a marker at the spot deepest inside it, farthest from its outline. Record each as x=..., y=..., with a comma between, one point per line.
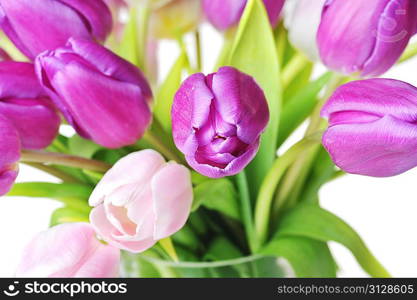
x=65, y=177
x=294, y=66
x=153, y=139
x=270, y=183
x=246, y=209
x=33, y=156
x=169, y=248
x=198, y=50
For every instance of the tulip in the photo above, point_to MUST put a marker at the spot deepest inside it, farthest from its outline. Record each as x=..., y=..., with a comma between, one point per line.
x=26, y=105
x=302, y=19
x=9, y=155
x=224, y=14
x=69, y=250
x=217, y=121
x=372, y=127
x=141, y=200
x=104, y=97
x=36, y=26
x=365, y=36
x=172, y=18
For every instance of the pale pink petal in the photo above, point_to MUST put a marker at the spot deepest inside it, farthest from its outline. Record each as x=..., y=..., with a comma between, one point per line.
x=136, y=168
x=173, y=196
x=107, y=232
x=104, y=262
x=60, y=251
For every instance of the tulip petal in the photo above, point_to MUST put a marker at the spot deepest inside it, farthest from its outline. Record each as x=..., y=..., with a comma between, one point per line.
x=115, y=128
x=382, y=148
x=173, y=196
x=346, y=34
x=25, y=21
x=96, y=13
x=224, y=14
x=396, y=26
x=234, y=100
x=110, y=64
x=190, y=111
x=65, y=249
x=378, y=96
x=104, y=228
x=145, y=164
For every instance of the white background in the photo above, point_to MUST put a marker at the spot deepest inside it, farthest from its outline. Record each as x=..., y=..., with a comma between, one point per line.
x=383, y=211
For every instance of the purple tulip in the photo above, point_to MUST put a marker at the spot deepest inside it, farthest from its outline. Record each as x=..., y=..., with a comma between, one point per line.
x=217, y=121
x=35, y=26
x=104, y=97
x=9, y=155
x=224, y=14
x=365, y=36
x=26, y=105
x=372, y=127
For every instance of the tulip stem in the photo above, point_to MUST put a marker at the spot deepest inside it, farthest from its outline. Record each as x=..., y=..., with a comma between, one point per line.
x=270, y=183
x=33, y=156
x=198, y=50
x=54, y=172
x=294, y=66
x=246, y=210
x=169, y=248
x=152, y=139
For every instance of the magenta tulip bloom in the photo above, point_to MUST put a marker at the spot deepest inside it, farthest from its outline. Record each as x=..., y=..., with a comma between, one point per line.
x=69, y=250
x=35, y=26
x=224, y=14
x=9, y=155
x=25, y=104
x=365, y=36
x=141, y=200
x=104, y=97
x=217, y=121
x=372, y=127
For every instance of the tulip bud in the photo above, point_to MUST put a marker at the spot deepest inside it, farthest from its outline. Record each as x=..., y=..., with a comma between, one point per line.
x=104, y=97
x=26, y=105
x=69, y=250
x=141, y=200
x=372, y=127
x=36, y=26
x=217, y=121
x=174, y=17
x=9, y=155
x=365, y=36
x=302, y=19
x=224, y=14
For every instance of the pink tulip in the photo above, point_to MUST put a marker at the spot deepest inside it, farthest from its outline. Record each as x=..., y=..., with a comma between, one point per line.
x=69, y=250
x=141, y=200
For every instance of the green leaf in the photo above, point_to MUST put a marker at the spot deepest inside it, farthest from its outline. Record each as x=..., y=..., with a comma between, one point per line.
x=73, y=195
x=67, y=215
x=221, y=249
x=128, y=48
x=166, y=93
x=219, y=195
x=308, y=257
x=187, y=238
x=299, y=107
x=321, y=172
x=311, y=221
x=254, y=53
x=82, y=147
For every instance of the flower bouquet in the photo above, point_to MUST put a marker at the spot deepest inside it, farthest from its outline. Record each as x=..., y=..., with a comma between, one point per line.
x=198, y=174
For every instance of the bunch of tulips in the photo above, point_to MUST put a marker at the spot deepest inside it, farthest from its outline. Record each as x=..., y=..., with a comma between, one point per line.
x=186, y=176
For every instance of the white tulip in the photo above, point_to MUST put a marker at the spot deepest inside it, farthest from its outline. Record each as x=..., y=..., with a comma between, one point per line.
x=302, y=19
